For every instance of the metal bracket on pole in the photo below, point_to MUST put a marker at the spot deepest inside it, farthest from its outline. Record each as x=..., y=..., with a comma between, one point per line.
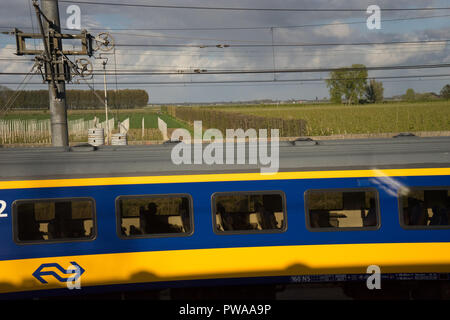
x=85, y=38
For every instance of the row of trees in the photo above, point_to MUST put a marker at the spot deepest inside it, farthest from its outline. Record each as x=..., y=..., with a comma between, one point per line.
x=351, y=85
x=76, y=99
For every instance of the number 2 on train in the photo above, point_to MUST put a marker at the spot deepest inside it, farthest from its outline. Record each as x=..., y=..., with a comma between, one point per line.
x=2, y=208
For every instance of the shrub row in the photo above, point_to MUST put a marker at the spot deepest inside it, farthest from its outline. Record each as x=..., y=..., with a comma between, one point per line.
x=223, y=120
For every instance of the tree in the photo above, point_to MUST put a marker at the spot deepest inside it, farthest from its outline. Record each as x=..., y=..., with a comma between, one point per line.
x=410, y=95
x=349, y=83
x=5, y=93
x=445, y=92
x=374, y=91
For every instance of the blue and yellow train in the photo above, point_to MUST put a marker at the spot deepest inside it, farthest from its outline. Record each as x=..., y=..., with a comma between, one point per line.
x=119, y=218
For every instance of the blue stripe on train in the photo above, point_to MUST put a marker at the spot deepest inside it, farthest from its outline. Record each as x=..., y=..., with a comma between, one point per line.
x=107, y=240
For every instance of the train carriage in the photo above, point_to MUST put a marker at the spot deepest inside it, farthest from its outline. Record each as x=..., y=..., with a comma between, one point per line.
x=127, y=218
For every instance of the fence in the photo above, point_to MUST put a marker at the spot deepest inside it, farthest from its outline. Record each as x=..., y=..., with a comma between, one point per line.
x=39, y=131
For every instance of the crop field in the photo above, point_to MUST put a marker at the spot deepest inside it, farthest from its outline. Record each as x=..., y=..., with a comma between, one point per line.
x=326, y=119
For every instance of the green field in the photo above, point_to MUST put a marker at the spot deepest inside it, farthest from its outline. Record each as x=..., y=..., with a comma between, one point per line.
x=327, y=119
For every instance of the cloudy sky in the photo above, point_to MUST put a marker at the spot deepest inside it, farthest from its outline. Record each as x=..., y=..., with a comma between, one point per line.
x=154, y=29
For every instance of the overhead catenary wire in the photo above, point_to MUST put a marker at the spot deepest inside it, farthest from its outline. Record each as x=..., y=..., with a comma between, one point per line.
x=439, y=45
x=421, y=76
x=259, y=71
x=256, y=42
x=248, y=71
x=247, y=53
x=280, y=44
x=287, y=52
x=274, y=27
x=93, y=28
x=140, y=5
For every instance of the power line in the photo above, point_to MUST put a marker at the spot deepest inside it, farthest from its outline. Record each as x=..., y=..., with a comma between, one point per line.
x=248, y=53
x=316, y=51
x=286, y=45
x=256, y=71
x=285, y=52
x=424, y=77
x=250, y=9
x=275, y=27
x=246, y=28
x=281, y=44
x=258, y=43
x=302, y=70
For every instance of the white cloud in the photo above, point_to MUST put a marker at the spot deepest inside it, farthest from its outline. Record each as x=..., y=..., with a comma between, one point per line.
x=337, y=31
x=8, y=52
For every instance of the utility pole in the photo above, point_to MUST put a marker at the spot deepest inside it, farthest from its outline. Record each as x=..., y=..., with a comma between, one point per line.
x=57, y=88
x=54, y=64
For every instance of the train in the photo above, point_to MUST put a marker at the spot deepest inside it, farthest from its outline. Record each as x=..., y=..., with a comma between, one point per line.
x=90, y=219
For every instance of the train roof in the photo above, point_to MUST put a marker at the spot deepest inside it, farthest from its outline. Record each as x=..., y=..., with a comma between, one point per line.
x=301, y=155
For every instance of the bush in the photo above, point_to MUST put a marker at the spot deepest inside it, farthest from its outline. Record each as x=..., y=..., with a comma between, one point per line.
x=223, y=120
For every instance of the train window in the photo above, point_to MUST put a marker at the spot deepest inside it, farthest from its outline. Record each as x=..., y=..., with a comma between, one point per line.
x=154, y=215
x=54, y=220
x=342, y=209
x=249, y=212
x=425, y=208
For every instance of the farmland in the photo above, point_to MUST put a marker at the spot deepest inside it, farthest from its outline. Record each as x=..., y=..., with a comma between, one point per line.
x=326, y=119
x=292, y=120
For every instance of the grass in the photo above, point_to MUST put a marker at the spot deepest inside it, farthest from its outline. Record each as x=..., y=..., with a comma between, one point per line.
x=326, y=119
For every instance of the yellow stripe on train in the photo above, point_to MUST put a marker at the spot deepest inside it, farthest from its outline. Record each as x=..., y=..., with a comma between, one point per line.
x=221, y=177
x=157, y=266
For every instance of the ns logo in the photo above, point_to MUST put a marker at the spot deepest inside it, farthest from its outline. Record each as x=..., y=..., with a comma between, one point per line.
x=71, y=276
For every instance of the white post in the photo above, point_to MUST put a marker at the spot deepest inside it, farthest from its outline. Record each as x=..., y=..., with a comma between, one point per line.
x=162, y=126
x=106, y=103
